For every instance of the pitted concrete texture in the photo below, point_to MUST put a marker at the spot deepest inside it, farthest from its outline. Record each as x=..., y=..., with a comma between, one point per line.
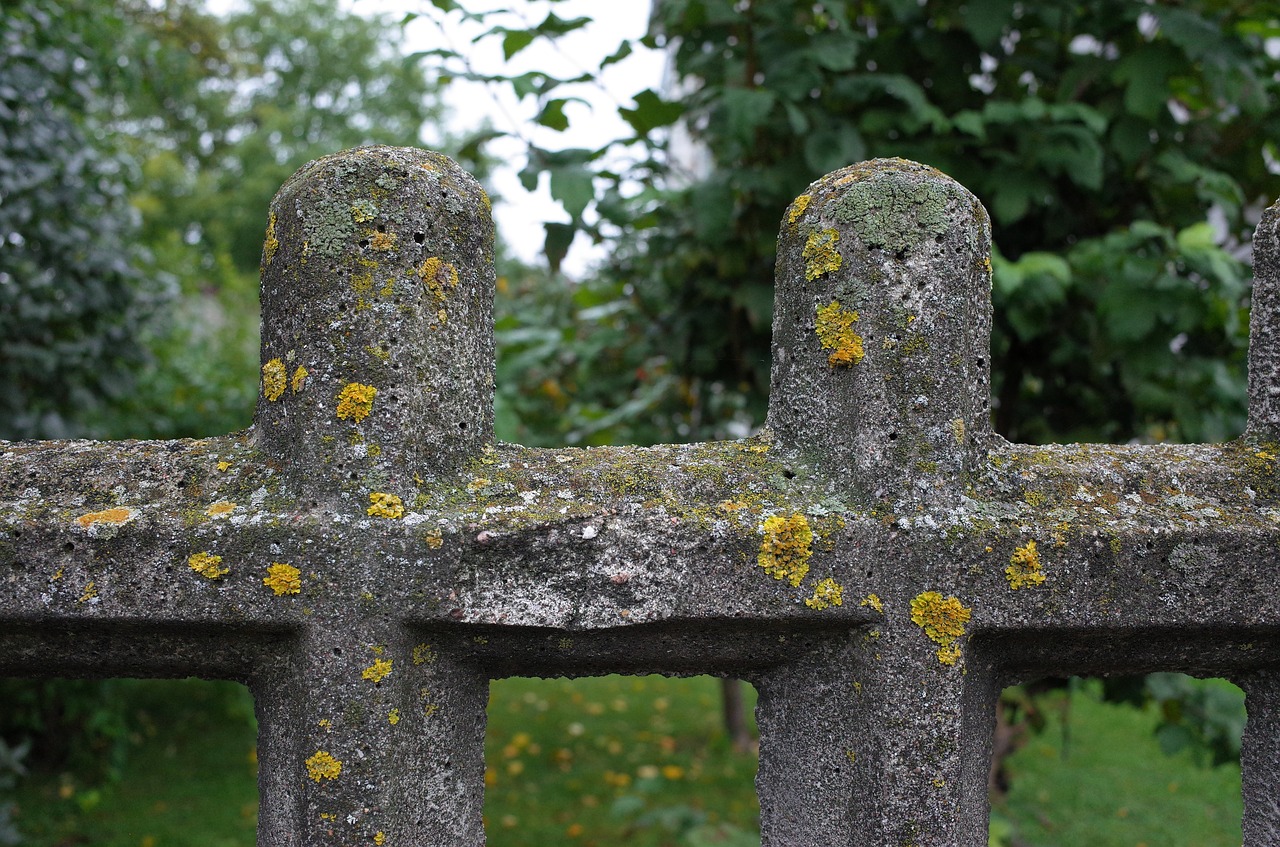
x=877, y=561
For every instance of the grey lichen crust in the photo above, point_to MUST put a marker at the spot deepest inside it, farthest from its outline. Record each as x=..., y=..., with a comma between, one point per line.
x=877, y=562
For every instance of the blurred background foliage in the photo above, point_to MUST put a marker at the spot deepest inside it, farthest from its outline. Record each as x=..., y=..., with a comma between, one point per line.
x=1124, y=150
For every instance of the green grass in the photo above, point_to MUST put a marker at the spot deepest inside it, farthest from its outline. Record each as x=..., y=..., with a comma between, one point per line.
x=621, y=760
x=610, y=760
x=1113, y=787
x=189, y=779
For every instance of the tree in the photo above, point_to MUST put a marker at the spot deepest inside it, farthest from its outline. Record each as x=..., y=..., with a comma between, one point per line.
x=1103, y=136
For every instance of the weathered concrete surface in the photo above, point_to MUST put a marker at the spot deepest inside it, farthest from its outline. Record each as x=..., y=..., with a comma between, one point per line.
x=878, y=590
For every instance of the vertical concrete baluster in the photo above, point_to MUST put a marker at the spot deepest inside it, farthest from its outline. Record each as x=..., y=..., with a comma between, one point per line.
x=1264, y=329
x=1260, y=759
x=881, y=322
x=377, y=320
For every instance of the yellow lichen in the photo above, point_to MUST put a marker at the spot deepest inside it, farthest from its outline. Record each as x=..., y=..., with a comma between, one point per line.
x=379, y=838
x=1024, y=567
x=957, y=429
x=283, y=579
x=835, y=332
x=107, y=516
x=393, y=717
x=943, y=622
x=826, y=594
x=434, y=539
x=382, y=505
x=355, y=401
x=271, y=244
x=436, y=275
x=478, y=483
x=820, y=253
x=273, y=380
x=874, y=601
x=377, y=671
x=423, y=654
x=382, y=241
x=90, y=592
x=207, y=565
x=323, y=765
x=299, y=379
x=786, y=548
x=797, y=208
x=222, y=507
x=224, y=466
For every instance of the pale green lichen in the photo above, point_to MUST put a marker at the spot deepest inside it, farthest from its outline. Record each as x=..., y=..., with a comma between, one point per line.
x=383, y=505
x=895, y=210
x=355, y=401
x=1024, y=567
x=786, y=548
x=943, y=622
x=273, y=380
x=820, y=253
x=826, y=594
x=835, y=333
x=207, y=565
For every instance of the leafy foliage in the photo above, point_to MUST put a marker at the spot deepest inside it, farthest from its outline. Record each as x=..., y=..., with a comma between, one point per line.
x=72, y=297
x=1102, y=136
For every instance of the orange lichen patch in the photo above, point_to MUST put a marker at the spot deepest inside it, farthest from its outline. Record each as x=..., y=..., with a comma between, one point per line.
x=873, y=600
x=283, y=579
x=207, y=565
x=383, y=505
x=223, y=507
x=273, y=380
x=820, y=253
x=437, y=275
x=299, y=379
x=355, y=401
x=382, y=241
x=786, y=548
x=322, y=765
x=378, y=671
x=943, y=622
x=826, y=594
x=271, y=244
x=835, y=332
x=108, y=516
x=1024, y=567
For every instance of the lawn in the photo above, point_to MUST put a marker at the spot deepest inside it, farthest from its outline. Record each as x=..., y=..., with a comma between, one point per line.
x=620, y=760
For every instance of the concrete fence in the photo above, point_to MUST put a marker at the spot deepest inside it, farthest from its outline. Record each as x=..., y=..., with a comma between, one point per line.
x=877, y=562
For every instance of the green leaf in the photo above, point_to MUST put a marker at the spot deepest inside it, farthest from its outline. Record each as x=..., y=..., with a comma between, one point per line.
x=553, y=24
x=986, y=20
x=623, y=51
x=838, y=53
x=745, y=109
x=556, y=246
x=553, y=116
x=573, y=187
x=1145, y=74
x=516, y=40
x=651, y=112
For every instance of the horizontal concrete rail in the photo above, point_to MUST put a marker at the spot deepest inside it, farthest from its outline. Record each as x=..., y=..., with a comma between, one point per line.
x=877, y=562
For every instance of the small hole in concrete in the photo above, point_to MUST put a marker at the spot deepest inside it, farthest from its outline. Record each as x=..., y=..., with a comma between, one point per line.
x=419, y=237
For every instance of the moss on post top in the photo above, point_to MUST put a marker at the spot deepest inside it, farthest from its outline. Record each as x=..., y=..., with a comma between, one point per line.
x=377, y=320
x=881, y=325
